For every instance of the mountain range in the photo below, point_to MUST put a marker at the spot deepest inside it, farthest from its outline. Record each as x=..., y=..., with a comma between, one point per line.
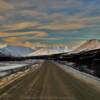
x=50, y=50
x=17, y=51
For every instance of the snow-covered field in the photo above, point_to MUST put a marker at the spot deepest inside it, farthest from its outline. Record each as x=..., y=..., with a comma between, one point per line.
x=14, y=66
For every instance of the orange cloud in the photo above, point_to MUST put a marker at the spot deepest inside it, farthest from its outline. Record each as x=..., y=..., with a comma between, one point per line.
x=41, y=34
x=5, y=6
x=20, y=25
x=17, y=39
x=14, y=39
x=34, y=33
x=24, y=44
x=2, y=17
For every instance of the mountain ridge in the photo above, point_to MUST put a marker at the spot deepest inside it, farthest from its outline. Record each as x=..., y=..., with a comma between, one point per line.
x=88, y=45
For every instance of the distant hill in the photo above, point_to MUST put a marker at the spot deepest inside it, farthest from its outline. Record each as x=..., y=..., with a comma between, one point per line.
x=16, y=51
x=88, y=45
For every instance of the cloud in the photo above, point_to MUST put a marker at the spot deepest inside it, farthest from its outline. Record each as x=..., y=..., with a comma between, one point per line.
x=14, y=39
x=5, y=6
x=26, y=12
x=33, y=13
x=53, y=38
x=21, y=43
x=18, y=34
x=26, y=44
x=52, y=16
x=63, y=26
x=2, y=17
x=19, y=37
x=41, y=34
x=65, y=3
x=20, y=25
x=72, y=22
x=62, y=23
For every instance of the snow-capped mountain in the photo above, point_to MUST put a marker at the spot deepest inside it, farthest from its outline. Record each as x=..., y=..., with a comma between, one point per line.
x=50, y=50
x=17, y=51
x=88, y=45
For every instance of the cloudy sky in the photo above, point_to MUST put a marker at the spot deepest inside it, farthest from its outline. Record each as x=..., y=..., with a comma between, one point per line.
x=49, y=21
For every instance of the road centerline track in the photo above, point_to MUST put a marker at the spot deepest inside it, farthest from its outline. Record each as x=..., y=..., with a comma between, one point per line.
x=49, y=82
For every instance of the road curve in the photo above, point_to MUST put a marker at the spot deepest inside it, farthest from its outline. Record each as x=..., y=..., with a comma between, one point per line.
x=49, y=83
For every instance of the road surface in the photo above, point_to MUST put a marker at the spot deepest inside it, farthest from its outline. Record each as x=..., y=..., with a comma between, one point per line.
x=49, y=83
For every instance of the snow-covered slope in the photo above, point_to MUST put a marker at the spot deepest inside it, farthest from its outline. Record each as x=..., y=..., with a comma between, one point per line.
x=88, y=45
x=50, y=50
x=14, y=51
